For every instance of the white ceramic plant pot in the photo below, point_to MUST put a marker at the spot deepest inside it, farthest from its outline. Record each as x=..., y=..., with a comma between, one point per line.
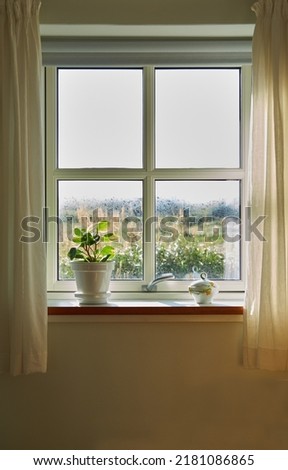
x=92, y=281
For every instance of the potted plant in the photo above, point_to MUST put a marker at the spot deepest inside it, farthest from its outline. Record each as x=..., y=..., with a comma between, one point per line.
x=92, y=262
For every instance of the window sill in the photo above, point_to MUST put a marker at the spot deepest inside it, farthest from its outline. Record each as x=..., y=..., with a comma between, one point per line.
x=145, y=311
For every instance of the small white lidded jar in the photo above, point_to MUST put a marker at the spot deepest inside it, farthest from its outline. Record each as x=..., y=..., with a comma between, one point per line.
x=203, y=290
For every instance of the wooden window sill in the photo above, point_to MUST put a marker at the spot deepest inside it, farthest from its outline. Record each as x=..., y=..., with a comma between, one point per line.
x=147, y=309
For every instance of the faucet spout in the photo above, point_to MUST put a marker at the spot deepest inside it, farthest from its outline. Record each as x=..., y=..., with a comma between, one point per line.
x=161, y=278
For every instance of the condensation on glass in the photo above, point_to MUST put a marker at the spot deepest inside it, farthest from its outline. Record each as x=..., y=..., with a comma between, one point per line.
x=197, y=118
x=100, y=118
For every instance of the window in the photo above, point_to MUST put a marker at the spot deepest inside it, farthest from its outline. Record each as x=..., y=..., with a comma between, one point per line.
x=159, y=153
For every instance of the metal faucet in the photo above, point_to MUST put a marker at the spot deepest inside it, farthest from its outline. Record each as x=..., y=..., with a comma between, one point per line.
x=163, y=277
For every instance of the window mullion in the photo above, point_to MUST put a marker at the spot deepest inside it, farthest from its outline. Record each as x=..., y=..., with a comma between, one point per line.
x=149, y=165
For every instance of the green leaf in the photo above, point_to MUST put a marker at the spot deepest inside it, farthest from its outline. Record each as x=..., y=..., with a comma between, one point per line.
x=87, y=239
x=72, y=253
x=110, y=237
x=107, y=252
x=77, y=232
x=96, y=239
x=105, y=258
x=103, y=226
x=80, y=255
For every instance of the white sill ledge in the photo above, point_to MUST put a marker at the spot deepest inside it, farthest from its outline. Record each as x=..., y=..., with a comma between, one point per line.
x=144, y=311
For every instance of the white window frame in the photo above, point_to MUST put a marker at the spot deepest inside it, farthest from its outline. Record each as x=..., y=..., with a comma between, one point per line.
x=176, y=289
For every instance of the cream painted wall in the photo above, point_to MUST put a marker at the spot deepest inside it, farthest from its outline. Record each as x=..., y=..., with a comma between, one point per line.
x=147, y=11
x=145, y=386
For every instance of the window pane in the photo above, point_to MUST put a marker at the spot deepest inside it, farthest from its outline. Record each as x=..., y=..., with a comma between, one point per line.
x=82, y=203
x=197, y=118
x=199, y=228
x=99, y=118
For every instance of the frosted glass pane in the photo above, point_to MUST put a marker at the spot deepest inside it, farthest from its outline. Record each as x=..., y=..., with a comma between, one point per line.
x=99, y=118
x=82, y=203
x=198, y=227
x=197, y=118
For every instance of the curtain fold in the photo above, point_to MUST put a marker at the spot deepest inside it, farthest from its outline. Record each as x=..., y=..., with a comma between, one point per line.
x=266, y=303
x=23, y=302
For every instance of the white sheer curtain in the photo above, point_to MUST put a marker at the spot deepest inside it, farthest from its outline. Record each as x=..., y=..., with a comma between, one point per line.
x=23, y=306
x=266, y=314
